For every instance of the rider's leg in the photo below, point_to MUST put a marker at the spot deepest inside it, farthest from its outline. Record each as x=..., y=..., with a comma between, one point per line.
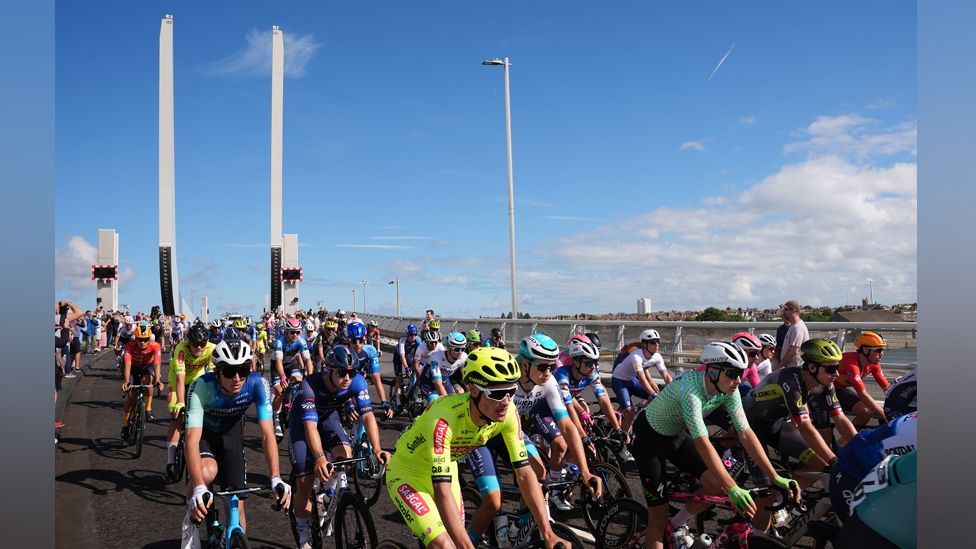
x=147, y=379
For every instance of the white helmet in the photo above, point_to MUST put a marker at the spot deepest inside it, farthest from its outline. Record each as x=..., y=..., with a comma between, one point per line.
x=216, y=323
x=767, y=339
x=649, y=334
x=578, y=348
x=722, y=352
x=309, y=327
x=232, y=352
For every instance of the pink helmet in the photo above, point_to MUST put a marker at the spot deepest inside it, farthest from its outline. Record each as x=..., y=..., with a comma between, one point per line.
x=293, y=324
x=747, y=341
x=578, y=337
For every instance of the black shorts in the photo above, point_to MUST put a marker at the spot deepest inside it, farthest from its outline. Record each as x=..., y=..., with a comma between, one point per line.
x=75, y=347
x=58, y=369
x=331, y=434
x=841, y=490
x=847, y=396
x=136, y=373
x=228, y=450
x=782, y=435
x=652, y=449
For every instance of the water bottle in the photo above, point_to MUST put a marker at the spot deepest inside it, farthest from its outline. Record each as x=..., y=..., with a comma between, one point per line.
x=501, y=531
x=702, y=542
x=573, y=470
x=780, y=518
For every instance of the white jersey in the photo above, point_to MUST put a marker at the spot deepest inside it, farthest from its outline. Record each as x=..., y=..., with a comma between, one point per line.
x=764, y=368
x=422, y=356
x=447, y=367
x=526, y=401
x=635, y=362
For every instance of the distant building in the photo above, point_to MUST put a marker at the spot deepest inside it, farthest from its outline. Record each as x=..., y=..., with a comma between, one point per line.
x=644, y=306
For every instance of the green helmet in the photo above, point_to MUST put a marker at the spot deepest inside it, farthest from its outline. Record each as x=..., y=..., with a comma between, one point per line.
x=473, y=336
x=820, y=351
x=488, y=366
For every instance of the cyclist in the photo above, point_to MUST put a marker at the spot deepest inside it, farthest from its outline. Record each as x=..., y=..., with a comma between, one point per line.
x=900, y=399
x=291, y=354
x=216, y=331
x=373, y=335
x=326, y=340
x=176, y=329
x=752, y=347
x=243, y=326
x=787, y=393
x=432, y=342
x=403, y=357
x=191, y=359
x=540, y=404
x=885, y=507
x=575, y=371
x=261, y=344
x=856, y=458
x=495, y=340
x=630, y=377
x=215, y=411
x=765, y=366
x=853, y=395
x=140, y=364
x=369, y=362
x=474, y=340
x=672, y=428
x=435, y=379
x=315, y=429
x=422, y=475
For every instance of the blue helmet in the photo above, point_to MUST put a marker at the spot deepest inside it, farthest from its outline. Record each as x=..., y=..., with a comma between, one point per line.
x=342, y=358
x=356, y=330
x=412, y=329
x=538, y=347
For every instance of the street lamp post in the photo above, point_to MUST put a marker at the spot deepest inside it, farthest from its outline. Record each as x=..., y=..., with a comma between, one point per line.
x=364, y=283
x=511, y=194
x=354, y=300
x=397, y=282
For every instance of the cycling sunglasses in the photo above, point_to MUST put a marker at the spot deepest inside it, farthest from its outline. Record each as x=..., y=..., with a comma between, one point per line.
x=732, y=372
x=499, y=395
x=752, y=354
x=591, y=363
x=832, y=369
x=230, y=371
x=343, y=372
x=293, y=332
x=358, y=340
x=197, y=345
x=143, y=339
x=545, y=366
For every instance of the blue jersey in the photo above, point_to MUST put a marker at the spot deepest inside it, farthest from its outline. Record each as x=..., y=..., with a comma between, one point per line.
x=215, y=337
x=287, y=351
x=570, y=387
x=369, y=360
x=208, y=407
x=867, y=449
x=316, y=401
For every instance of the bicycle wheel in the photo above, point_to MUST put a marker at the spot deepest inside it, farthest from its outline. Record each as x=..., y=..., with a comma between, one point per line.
x=615, y=487
x=179, y=466
x=354, y=528
x=238, y=541
x=623, y=525
x=471, y=498
x=139, y=426
x=369, y=476
x=567, y=534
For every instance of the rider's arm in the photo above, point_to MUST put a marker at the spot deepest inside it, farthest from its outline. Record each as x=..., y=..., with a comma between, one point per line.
x=532, y=493
x=714, y=463
x=157, y=364
x=126, y=366
x=608, y=410
x=193, y=462
x=880, y=377
x=846, y=428
x=647, y=382
x=872, y=405
x=813, y=439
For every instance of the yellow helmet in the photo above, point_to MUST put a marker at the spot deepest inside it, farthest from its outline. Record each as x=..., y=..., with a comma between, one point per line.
x=488, y=366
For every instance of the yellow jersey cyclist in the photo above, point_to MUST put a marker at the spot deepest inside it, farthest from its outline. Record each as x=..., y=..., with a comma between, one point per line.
x=191, y=359
x=672, y=428
x=422, y=475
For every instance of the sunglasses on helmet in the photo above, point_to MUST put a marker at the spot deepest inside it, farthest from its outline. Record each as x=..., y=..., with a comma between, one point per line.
x=499, y=395
x=241, y=371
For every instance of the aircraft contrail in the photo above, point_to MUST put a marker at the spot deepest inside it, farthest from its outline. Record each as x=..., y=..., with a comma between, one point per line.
x=724, y=57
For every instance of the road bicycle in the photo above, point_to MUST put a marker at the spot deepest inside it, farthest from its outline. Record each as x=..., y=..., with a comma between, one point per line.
x=179, y=466
x=229, y=535
x=368, y=475
x=338, y=511
x=137, y=419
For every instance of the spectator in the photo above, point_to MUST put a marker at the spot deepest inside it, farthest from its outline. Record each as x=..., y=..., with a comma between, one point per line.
x=67, y=312
x=428, y=316
x=114, y=323
x=780, y=336
x=795, y=336
x=88, y=336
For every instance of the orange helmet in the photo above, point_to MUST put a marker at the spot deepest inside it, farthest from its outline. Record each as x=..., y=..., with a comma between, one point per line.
x=143, y=331
x=870, y=339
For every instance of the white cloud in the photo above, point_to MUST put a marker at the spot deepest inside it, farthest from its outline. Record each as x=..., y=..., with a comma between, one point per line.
x=693, y=145
x=570, y=218
x=747, y=120
x=854, y=136
x=72, y=267
x=255, y=58
x=375, y=246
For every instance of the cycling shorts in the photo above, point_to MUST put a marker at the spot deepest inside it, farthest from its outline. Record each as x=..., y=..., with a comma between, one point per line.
x=482, y=460
x=652, y=449
x=412, y=492
x=289, y=368
x=331, y=433
x=137, y=373
x=847, y=397
x=541, y=418
x=785, y=437
x=228, y=451
x=625, y=388
x=841, y=490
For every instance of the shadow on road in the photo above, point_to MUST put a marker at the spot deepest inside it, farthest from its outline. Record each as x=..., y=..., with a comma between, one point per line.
x=149, y=485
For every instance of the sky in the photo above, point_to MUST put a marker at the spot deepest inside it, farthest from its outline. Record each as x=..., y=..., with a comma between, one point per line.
x=699, y=154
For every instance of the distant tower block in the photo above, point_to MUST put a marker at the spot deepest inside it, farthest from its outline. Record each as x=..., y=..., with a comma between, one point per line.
x=107, y=257
x=644, y=306
x=291, y=274
x=277, y=95
x=204, y=310
x=169, y=286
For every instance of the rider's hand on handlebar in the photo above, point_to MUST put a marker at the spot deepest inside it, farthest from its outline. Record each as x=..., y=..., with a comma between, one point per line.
x=323, y=468
x=789, y=487
x=283, y=491
x=742, y=501
x=552, y=541
x=198, y=503
x=383, y=457
x=594, y=484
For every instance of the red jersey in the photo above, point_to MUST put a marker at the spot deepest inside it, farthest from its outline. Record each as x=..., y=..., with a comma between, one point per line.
x=142, y=357
x=849, y=373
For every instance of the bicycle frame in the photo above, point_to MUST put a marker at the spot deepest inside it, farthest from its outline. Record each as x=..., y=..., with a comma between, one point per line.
x=233, y=516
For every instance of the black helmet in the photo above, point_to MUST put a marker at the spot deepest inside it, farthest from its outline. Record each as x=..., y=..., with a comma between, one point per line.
x=341, y=357
x=496, y=333
x=594, y=339
x=197, y=334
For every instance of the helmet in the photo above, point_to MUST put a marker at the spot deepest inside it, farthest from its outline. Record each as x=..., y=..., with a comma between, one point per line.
x=496, y=333
x=649, y=334
x=430, y=336
x=538, y=347
x=197, y=334
x=434, y=324
x=309, y=326
x=129, y=319
x=143, y=330
x=231, y=352
x=767, y=339
x=578, y=337
x=747, y=342
x=721, y=352
x=585, y=349
x=240, y=323
x=594, y=339
x=356, y=330
x=331, y=325
x=473, y=336
x=456, y=340
x=340, y=313
x=373, y=323
x=215, y=323
x=488, y=366
x=182, y=316
x=341, y=357
x=870, y=339
x=293, y=324
x=820, y=351
x=412, y=329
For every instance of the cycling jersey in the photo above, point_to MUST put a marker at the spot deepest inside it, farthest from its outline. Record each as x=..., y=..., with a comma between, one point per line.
x=901, y=397
x=192, y=367
x=427, y=380
x=407, y=348
x=262, y=342
x=685, y=402
x=886, y=500
x=142, y=357
x=317, y=401
x=215, y=337
x=570, y=387
x=783, y=394
x=869, y=447
x=423, y=353
x=287, y=352
x=541, y=398
x=447, y=367
x=849, y=373
x=208, y=407
x=369, y=360
x=635, y=362
x=764, y=368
